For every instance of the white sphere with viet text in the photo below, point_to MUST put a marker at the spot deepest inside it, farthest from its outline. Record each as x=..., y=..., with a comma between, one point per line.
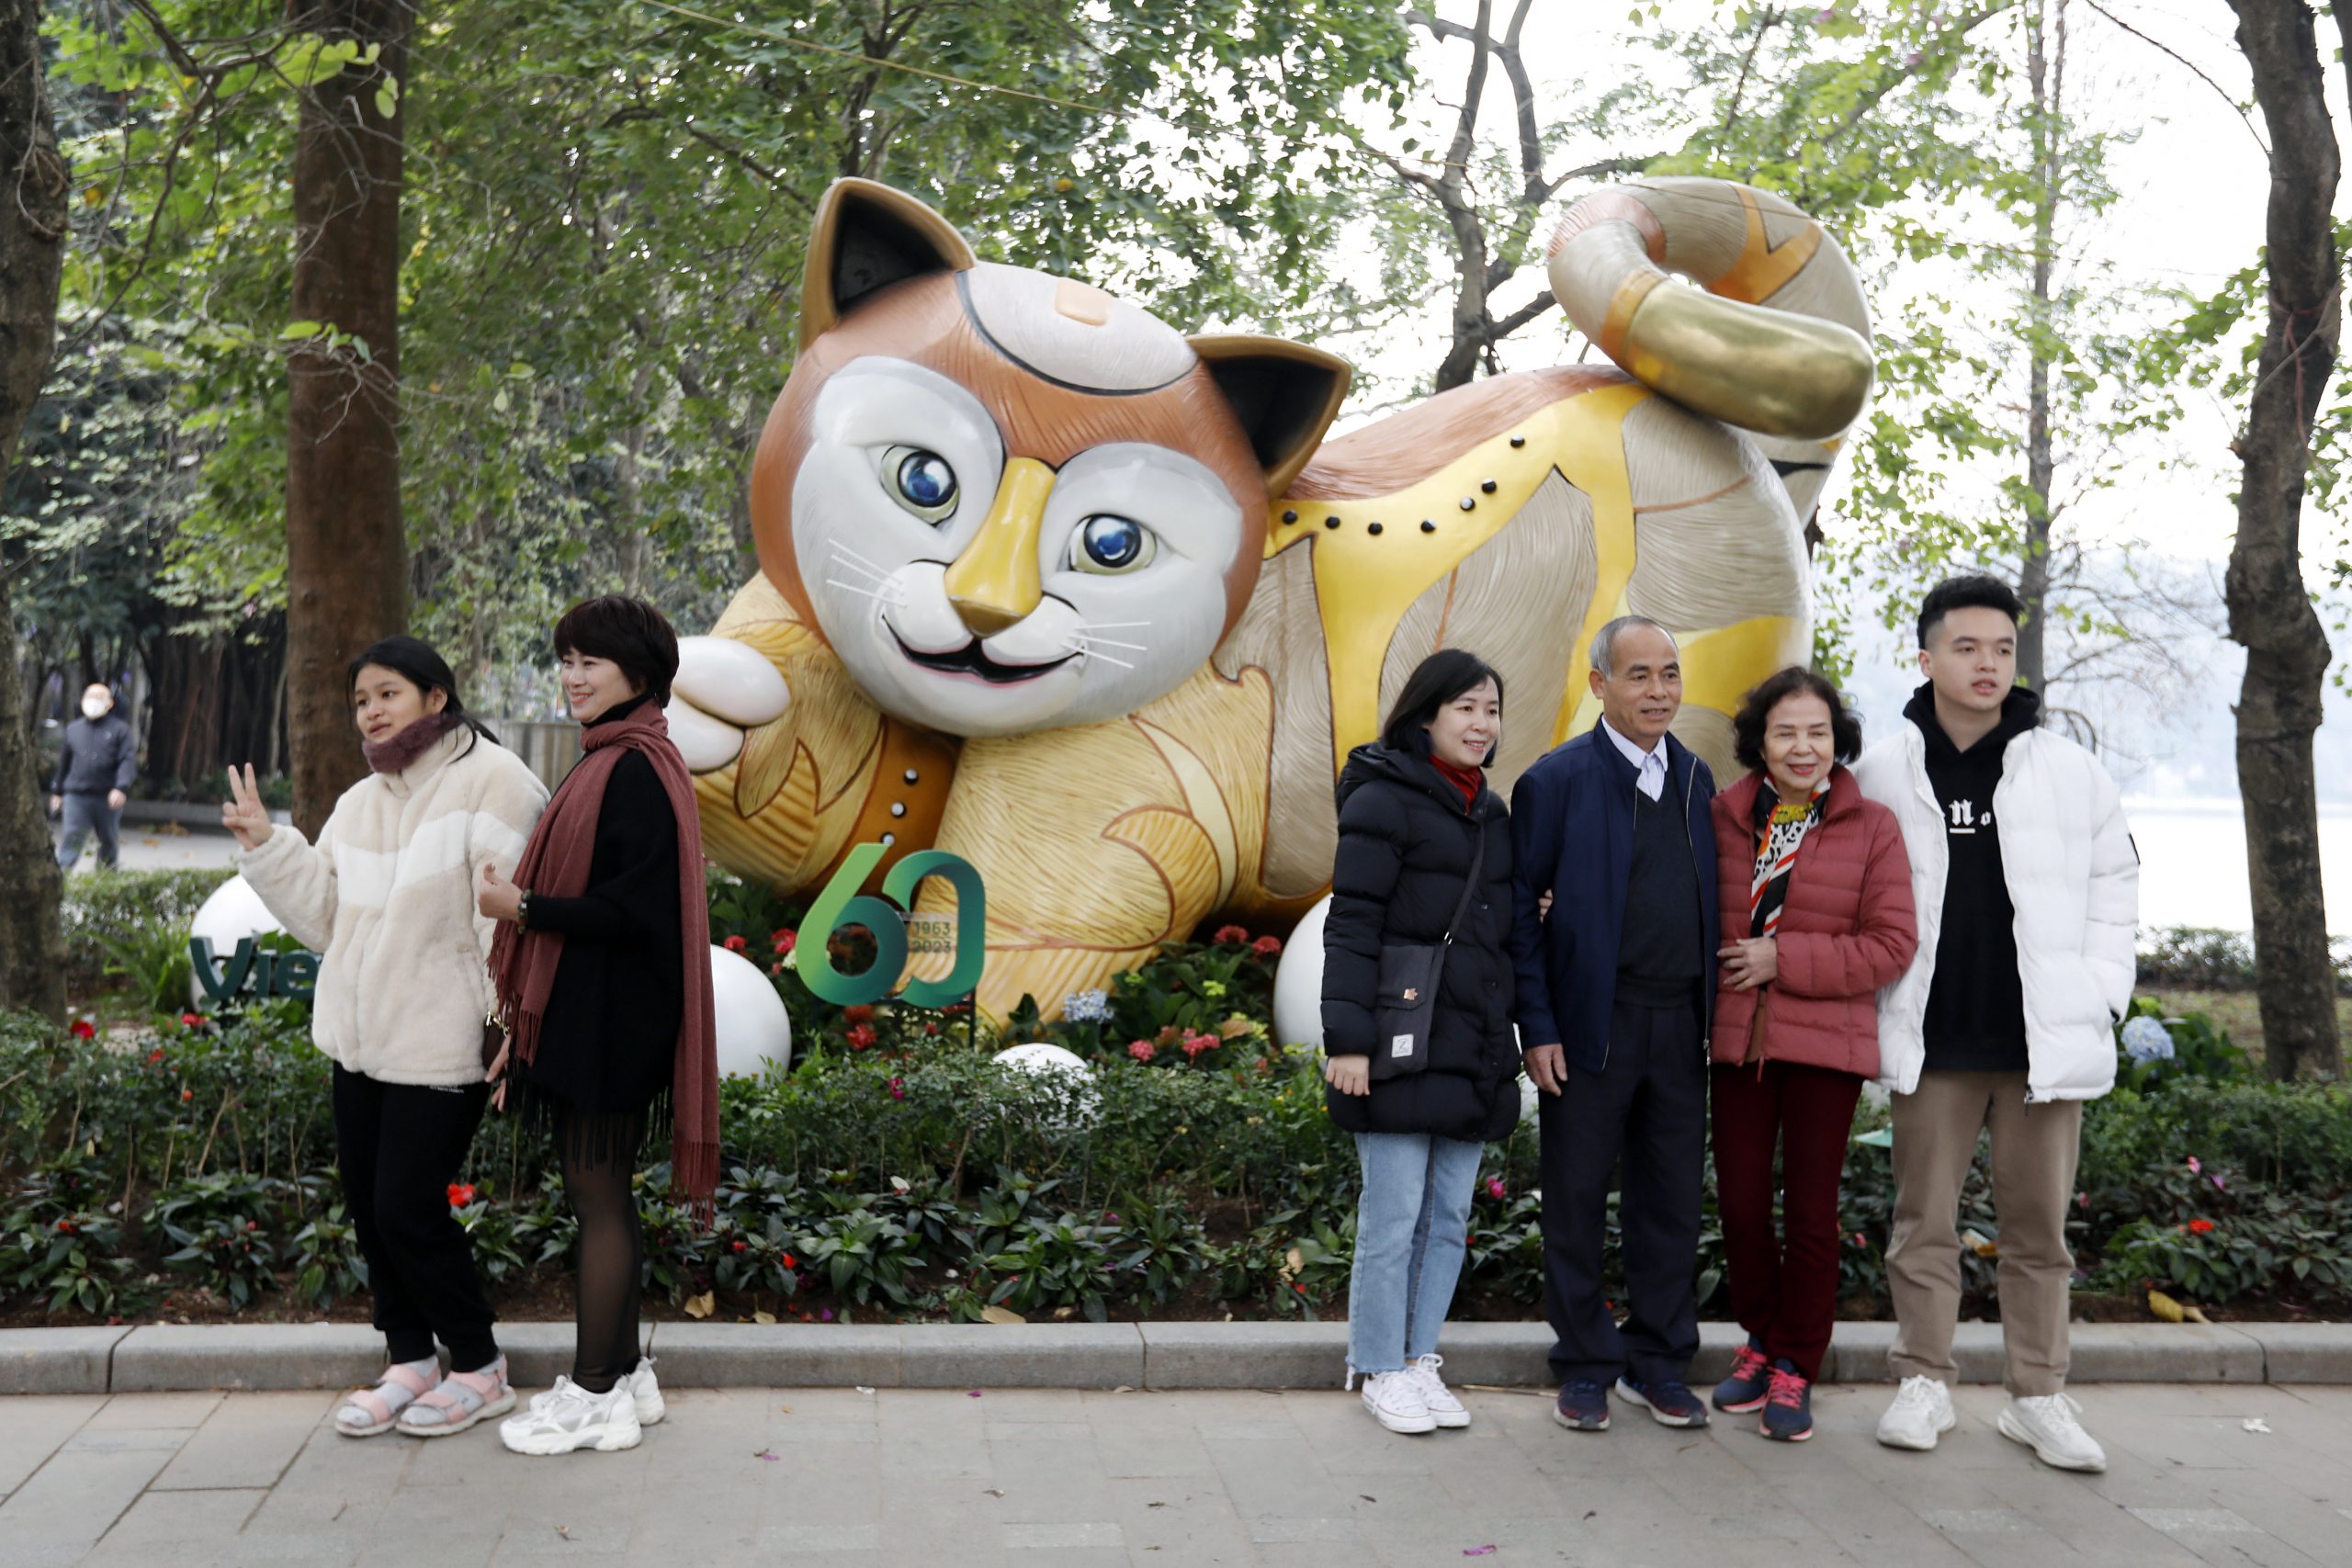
x=753, y=1030
x=231, y=914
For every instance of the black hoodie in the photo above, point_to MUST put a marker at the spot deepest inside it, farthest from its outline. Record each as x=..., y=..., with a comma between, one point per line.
x=1975, y=1020
x=1406, y=843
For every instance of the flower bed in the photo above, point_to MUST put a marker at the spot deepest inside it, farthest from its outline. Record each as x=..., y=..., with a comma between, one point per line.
x=897, y=1172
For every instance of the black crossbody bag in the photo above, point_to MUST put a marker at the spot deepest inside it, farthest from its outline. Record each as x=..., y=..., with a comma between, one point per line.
x=1404, y=1006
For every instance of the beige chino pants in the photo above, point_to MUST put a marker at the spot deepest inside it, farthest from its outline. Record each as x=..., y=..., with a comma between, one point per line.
x=2034, y=1151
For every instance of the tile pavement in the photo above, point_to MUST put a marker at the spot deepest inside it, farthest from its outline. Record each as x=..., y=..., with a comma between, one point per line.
x=1048, y=1477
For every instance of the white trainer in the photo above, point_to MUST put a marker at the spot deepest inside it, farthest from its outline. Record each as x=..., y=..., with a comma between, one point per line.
x=1445, y=1409
x=650, y=1405
x=572, y=1417
x=1396, y=1402
x=1921, y=1412
x=2046, y=1423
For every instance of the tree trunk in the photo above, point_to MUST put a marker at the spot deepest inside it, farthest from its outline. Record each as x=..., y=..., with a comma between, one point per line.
x=2046, y=68
x=2270, y=611
x=34, y=224
x=347, y=560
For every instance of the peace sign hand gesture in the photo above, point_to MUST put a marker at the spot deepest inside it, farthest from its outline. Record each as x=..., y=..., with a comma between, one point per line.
x=243, y=813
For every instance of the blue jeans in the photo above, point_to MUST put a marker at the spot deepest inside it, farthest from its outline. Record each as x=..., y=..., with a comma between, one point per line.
x=1412, y=1227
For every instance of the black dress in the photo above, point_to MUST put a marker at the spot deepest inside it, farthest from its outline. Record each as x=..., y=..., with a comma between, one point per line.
x=609, y=1037
x=1406, y=843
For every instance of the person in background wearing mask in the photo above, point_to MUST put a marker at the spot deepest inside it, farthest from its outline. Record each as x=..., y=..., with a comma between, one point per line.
x=2026, y=888
x=95, y=768
x=1615, y=982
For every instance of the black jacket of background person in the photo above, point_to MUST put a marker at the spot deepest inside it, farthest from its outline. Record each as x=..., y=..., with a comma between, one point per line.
x=1406, y=841
x=98, y=755
x=610, y=1033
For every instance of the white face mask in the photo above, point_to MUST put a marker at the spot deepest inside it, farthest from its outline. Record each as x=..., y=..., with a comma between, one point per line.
x=94, y=707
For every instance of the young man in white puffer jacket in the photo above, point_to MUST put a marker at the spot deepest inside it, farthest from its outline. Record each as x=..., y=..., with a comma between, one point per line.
x=2025, y=882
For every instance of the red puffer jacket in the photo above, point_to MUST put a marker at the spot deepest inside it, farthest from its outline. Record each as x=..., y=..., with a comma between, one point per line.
x=1847, y=930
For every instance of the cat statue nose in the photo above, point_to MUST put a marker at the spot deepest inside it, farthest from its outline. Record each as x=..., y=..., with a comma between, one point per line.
x=995, y=581
x=984, y=619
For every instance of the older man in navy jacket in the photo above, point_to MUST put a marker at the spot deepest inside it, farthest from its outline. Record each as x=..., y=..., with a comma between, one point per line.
x=1614, y=986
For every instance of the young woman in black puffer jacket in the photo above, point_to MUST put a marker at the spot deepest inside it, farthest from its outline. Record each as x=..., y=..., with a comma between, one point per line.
x=1414, y=808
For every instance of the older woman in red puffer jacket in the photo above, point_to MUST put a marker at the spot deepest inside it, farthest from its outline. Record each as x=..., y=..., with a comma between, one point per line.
x=1817, y=917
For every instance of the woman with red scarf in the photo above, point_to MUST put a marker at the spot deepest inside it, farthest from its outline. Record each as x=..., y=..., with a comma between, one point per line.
x=1817, y=917
x=603, y=965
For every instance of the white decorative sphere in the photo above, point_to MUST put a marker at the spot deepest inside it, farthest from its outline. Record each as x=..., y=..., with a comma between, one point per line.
x=1299, y=984
x=1060, y=1084
x=233, y=912
x=753, y=1030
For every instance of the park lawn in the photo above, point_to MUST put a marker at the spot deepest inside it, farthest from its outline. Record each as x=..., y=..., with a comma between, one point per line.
x=2235, y=1014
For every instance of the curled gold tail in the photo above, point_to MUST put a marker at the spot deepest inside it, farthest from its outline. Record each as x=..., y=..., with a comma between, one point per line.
x=1776, y=338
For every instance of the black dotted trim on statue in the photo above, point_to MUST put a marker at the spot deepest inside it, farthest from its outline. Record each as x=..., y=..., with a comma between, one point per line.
x=1487, y=487
x=1428, y=526
x=911, y=776
x=1518, y=441
x=1330, y=522
x=1290, y=516
x=1468, y=505
x=1372, y=527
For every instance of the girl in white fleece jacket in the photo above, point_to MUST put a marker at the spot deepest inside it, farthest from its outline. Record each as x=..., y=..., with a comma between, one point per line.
x=386, y=896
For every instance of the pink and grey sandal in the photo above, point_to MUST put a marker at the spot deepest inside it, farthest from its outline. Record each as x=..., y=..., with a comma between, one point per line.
x=366, y=1412
x=462, y=1400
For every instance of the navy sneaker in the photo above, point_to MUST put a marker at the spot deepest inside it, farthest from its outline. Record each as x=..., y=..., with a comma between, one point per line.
x=1669, y=1403
x=1750, y=1381
x=1788, y=1408
x=1582, y=1407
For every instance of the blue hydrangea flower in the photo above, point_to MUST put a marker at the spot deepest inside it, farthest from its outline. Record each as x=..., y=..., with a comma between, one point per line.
x=1085, y=1007
x=2147, y=1040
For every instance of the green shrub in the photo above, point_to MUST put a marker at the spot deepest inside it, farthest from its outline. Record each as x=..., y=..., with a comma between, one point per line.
x=2204, y=958
x=2200, y=1053
x=222, y=1225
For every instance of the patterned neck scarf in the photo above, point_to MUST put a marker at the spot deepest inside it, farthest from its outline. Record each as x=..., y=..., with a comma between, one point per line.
x=1778, y=831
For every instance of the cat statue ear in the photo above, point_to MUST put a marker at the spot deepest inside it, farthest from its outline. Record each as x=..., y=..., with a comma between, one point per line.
x=1285, y=395
x=866, y=237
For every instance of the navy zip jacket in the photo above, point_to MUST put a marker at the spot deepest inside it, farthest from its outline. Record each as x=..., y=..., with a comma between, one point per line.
x=1572, y=833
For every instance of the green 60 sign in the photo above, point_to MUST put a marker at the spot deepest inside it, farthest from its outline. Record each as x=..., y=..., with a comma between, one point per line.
x=841, y=904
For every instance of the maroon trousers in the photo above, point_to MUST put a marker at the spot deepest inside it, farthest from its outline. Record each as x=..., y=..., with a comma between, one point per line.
x=1783, y=1283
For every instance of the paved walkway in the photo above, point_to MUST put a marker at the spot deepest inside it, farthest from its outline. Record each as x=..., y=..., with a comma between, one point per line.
x=151, y=847
x=920, y=1477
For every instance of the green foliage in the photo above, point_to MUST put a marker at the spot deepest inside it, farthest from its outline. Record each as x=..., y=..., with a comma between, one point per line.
x=2202, y=958
x=2201, y=1053
x=221, y=1227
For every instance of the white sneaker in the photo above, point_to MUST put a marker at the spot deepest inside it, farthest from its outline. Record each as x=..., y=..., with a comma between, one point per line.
x=2047, y=1426
x=1446, y=1410
x=1396, y=1402
x=570, y=1418
x=1921, y=1412
x=650, y=1405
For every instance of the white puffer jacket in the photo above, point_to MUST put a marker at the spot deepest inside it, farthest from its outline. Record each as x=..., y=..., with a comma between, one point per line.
x=386, y=897
x=2073, y=879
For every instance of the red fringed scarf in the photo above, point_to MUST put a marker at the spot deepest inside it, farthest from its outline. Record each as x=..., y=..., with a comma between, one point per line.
x=555, y=863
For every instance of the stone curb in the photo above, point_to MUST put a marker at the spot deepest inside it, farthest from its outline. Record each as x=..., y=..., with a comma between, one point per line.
x=164, y=1358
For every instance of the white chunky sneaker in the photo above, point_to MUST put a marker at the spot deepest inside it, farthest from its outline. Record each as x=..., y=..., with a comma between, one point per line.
x=2047, y=1426
x=650, y=1405
x=1921, y=1412
x=572, y=1417
x=1445, y=1409
x=1396, y=1402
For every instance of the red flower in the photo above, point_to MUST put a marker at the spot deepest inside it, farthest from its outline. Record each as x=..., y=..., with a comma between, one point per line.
x=734, y=945
x=192, y=1020
x=65, y=1227
x=83, y=1028
x=2200, y=1227
x=931, y=1028
x=858, y=1012
x=187, y=1094
x=897, y=1088
x=1142, y=1050
x=1231, y=935
x=790, y=1261
x=777, y=967
x=1495, y=1187
x=783, y=939
x=460, y=1194
x=1266, y=946
x=156, y=1055
x=1196, y=1044
x=861, y=1037
x=735, y=1247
